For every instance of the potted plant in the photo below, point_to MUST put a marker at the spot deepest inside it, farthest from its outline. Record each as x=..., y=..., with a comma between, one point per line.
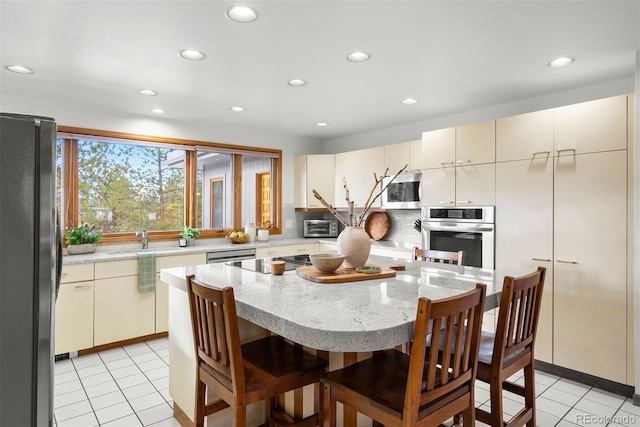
x=187, y=236
x=82, y=239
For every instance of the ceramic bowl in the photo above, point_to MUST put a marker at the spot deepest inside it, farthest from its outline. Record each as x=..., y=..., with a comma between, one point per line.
x=326, y=263
x=238, y=239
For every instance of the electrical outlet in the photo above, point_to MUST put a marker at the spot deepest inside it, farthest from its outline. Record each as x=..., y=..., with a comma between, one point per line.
x=288, y=224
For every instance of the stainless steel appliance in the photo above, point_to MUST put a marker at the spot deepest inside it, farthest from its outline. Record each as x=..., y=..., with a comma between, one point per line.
x=401, y=193
x=320, y=228
x=230, y=254
x=30, y=264
x=263, y=265
x=470, y=229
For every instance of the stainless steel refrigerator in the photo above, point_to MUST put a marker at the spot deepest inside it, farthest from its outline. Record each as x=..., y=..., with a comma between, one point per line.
x=30, y=263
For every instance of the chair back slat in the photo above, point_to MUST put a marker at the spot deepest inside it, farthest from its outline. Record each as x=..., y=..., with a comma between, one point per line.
x=215, y=330
x=519, y=312
x=443, y=257
x=455, y=323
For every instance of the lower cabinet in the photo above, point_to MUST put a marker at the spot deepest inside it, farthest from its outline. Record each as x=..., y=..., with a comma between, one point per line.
x=74, y=317
x=286, y=250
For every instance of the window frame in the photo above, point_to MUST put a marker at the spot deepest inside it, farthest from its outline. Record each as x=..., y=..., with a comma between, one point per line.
x=70, y=182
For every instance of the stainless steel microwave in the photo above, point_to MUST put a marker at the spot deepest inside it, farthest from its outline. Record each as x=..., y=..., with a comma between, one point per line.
x=320, y=228
x=403, y=192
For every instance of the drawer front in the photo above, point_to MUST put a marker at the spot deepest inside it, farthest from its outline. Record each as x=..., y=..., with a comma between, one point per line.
x=180, y=261
x=108, y=269
x=76, y=272
x=285, y=250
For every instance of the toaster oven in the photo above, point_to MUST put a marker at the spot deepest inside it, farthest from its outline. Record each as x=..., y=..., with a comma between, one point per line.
x=320, y=228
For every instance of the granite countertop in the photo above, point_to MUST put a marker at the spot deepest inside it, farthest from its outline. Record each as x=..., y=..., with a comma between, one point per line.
x=130, y=251
x=345, y=317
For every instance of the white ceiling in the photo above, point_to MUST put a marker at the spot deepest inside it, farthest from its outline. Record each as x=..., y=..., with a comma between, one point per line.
x=453, y=56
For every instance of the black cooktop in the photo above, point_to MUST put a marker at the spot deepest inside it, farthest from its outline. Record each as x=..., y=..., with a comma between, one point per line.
x=263, y=265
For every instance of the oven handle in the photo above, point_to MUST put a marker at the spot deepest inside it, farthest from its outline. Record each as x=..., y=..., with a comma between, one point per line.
x=457, y=227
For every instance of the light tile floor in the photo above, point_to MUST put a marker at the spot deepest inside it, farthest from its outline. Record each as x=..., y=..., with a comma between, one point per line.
x=128, y=387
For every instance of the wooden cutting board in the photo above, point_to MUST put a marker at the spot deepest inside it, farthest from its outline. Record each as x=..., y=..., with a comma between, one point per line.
x=341, y=275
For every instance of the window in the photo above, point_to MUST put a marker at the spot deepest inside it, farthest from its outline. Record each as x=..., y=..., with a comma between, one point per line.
x=123, y=183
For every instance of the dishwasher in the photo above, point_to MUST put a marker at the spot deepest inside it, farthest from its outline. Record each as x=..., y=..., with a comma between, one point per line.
x=230, y=255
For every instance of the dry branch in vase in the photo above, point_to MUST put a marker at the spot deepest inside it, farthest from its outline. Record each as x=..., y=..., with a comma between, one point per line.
x=356, y=221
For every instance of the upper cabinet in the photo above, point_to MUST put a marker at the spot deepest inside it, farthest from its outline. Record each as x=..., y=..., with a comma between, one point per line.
x=476, y=143
x=370, y=162
x=313, y=171
x=524, y=136
x=346, y=170
x=436, y=149
x=398, y=155
x=591, y=127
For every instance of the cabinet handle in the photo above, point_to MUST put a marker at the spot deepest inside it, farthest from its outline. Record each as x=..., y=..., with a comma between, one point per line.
x=444, y=202
x=541, y=259
x=446, y=163
x=271, y=253
x=566, y=262
x=561, y=150
x=82, y=286
x=463, y=161
x=542, y=152
x=463, y=202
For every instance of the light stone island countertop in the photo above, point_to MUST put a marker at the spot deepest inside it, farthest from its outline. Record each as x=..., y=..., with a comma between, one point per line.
x=345, y=317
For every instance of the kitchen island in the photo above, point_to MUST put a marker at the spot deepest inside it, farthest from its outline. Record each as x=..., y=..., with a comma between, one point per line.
x=341, y=319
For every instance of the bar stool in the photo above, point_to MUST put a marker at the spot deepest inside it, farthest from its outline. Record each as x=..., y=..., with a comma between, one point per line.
x=248, y=373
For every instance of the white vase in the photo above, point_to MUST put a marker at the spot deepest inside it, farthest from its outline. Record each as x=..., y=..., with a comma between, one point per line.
x=355, y=244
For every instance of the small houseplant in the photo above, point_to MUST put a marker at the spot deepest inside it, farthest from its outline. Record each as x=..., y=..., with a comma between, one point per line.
x=187, y=235
x=82, y=239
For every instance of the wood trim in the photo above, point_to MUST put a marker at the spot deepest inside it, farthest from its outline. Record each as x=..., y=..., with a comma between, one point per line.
x=70, y=182
x=122, y=343
x=593, y=381
x=181, y=416
x=276, y=198
x=237, y=192
x=190, y=187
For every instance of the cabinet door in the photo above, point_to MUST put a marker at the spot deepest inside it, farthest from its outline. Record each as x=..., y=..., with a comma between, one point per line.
x=476, y=184
x=436, y=149
x=346, y=169
x=285, y=250
x=591, y=127
x=590, y=249
x=74, y=317
x=121, y=312
x=396, y=156
x=524, y=232
x=370, y=161
x=300, y=182
x=320, y=176
x=476, y=143
x=162, y=305
x=524, y=136
x=438, y=187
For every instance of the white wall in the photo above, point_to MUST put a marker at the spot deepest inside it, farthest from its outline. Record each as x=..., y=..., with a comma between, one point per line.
x=413, y=131
x=636, y=237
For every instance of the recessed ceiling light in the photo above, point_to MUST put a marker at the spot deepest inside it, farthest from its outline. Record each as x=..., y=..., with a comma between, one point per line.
x=358, y=56
x=409, y=101
x=242, y=14
x=19, y=69
x=191, y=54
x=147, y=92
x=562, y=61
x=237, y=109
x=296, y=82
x=158, y=111
x=322, y=124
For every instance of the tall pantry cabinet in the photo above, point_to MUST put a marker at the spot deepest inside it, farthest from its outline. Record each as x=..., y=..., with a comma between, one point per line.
x=561, y=202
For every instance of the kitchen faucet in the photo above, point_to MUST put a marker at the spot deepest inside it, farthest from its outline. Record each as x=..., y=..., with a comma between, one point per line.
x=143, y=235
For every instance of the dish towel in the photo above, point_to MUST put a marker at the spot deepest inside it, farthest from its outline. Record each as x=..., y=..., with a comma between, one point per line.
x=146, y=272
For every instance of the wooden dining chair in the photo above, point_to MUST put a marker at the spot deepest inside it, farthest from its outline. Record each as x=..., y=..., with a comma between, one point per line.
x=248, y=373
x=397, y=389
x=438, y=256
x=511, y=348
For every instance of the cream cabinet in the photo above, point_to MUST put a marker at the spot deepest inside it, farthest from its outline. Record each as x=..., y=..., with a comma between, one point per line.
x=370, y=162
x=462, y=185
x=276, y=251
x=590, y=127
x=314, y=171
x=346, y=169
x=476, y=143
x=524, y=232
x=121, y=311
x=162, y=289
x=74, y=309
x=525, y=136
x=590, y=269
x=436, y=149
x=396, y=156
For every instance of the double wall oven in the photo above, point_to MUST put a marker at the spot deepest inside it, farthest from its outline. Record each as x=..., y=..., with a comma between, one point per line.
x=470, y=229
